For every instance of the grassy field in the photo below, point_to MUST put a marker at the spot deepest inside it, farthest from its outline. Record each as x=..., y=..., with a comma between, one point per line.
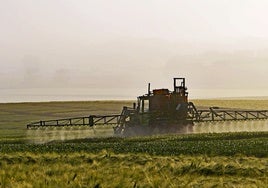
x=107, y=169
x=187, y=160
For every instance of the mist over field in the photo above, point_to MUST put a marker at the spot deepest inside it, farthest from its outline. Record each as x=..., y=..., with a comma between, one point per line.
x=114, y=48
x=47, y=135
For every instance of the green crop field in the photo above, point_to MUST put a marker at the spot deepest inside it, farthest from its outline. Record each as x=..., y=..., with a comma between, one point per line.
x=82, y=158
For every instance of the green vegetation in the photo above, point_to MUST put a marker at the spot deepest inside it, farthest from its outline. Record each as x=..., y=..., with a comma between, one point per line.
x=187, y=160
x=220, y=144
x=106, y=169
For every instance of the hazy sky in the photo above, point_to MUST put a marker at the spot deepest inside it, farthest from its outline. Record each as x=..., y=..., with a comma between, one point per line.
x=122, y=45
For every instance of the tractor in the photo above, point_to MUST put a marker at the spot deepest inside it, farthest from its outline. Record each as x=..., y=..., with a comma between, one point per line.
x=158, y=111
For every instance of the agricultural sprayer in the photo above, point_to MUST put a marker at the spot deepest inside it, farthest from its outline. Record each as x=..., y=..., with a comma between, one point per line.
x=158, y=111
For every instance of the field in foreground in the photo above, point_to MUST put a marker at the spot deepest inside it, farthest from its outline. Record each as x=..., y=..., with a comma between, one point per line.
x=202, y=160
x=107, y=169
x=189, y=160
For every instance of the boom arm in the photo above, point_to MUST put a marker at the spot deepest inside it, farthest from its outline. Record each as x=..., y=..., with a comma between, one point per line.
x=224, y=114
x=78, y=121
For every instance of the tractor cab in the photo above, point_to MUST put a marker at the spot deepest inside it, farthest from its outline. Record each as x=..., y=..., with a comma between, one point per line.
x=163, y=101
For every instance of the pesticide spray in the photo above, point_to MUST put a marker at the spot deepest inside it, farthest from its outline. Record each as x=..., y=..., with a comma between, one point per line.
x=231, y=126
x=46, y=135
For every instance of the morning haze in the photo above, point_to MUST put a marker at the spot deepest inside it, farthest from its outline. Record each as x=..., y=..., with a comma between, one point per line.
x=73, y=47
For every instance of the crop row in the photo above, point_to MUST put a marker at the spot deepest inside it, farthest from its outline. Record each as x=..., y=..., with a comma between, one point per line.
x=208, y=144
